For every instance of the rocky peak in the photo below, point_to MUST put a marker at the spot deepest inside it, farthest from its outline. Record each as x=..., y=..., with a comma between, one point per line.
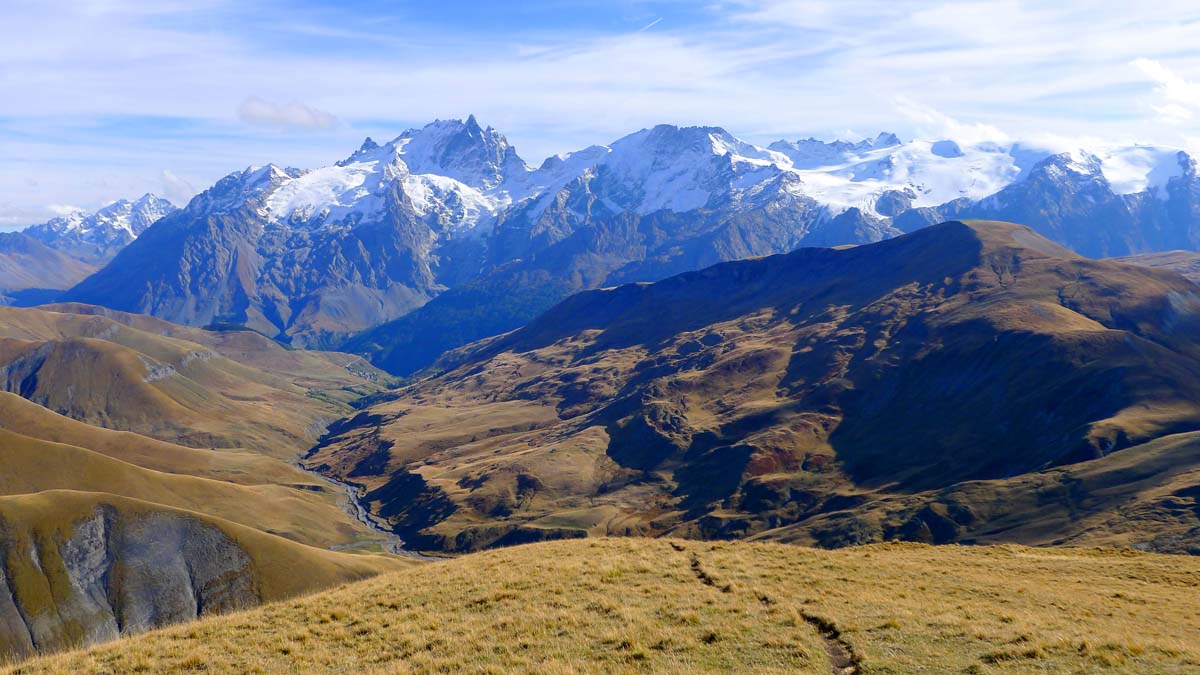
x=119, y=222
x=462, y=150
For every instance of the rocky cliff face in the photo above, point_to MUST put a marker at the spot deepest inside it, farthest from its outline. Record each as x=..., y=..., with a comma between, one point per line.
x=111, y=574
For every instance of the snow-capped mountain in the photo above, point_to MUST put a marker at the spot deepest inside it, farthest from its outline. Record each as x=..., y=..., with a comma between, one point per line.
x=454, y=172
x=97, y=237
x=310, y=255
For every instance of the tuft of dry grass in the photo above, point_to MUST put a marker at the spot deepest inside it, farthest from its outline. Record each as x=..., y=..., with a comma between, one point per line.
x=628, y=605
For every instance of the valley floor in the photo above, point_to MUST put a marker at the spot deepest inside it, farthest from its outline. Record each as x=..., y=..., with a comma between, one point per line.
x=630, y=605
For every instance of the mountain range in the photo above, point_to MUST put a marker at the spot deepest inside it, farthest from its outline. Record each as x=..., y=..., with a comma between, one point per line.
x=445, y=235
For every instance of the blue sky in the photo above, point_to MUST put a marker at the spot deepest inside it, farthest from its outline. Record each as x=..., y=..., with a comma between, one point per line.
x=102, y=99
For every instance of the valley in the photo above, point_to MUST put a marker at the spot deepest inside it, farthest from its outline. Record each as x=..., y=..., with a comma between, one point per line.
x=157, y=473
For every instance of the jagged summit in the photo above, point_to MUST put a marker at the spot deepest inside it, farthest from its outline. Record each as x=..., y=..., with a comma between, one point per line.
x=464, y=151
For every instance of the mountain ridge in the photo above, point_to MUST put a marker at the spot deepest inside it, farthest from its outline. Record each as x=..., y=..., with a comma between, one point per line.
x=771, y=392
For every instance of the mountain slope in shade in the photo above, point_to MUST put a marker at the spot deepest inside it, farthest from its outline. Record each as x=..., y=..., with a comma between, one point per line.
x=26, y=263
x=768, y=393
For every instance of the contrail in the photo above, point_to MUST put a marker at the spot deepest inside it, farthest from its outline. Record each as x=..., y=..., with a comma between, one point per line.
x=650, y=25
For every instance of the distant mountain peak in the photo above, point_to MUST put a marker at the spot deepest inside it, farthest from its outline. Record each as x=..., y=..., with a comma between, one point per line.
x=462, y=150
x=885, y=140
x=97, y=236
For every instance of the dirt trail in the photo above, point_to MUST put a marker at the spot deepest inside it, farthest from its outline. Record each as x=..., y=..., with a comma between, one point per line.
x=842, y=659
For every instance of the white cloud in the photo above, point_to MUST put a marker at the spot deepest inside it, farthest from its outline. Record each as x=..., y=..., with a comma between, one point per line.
x=1178, y=98
x=295, y=115
x=62, y=209
x=934, y=124
x=762, y=68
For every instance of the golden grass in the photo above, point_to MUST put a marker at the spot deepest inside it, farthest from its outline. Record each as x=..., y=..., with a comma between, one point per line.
x=622, y=605
x=30, y=466
x=94, y=368
x=144, y=375
x=247, y=468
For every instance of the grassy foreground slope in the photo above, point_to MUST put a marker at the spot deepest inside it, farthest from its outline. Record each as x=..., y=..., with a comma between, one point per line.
x=624, y=605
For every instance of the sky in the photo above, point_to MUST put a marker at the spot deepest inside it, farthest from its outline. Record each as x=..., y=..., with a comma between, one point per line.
x=104, y=99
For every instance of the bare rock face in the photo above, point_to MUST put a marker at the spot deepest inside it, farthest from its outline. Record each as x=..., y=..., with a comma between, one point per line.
x=15, y=639
x=117, y=574
x=176, y=569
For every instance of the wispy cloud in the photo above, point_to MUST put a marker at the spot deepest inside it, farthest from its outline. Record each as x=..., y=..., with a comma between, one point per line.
x=936, y=124
x=62, y=209
x=178, y=191
x=294, y=115
x=556, y=81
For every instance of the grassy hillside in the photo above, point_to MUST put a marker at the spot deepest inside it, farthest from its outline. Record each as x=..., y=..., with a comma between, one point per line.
x=106, y=373
x=32, y=465
x=623, y=605
x=106, y=531
x=1186, y=263
x=839, y=396
x=247, y=468
x=340, y=375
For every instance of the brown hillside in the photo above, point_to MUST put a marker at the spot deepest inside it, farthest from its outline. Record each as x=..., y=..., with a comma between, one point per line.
x=777, y=392
x=105, y=373
x=32, y=466
x=249, y=468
